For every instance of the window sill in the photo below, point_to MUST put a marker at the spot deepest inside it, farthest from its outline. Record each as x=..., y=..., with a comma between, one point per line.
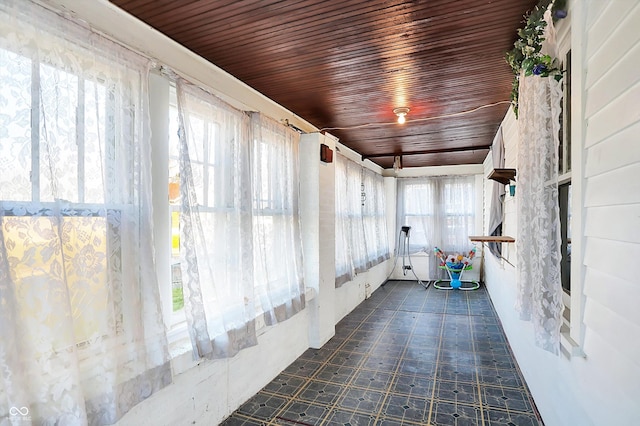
x=568, y=346
x=181, y=351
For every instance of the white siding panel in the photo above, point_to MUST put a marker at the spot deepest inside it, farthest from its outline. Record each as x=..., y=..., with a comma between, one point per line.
x=616, y=258
x=617, y=115
x=619, y=150
x=620, y=186
x=620, y=77
x=616, y=330
x=594, y=11
x=621, y=223
x=624, y=37
x=619, y=295
x=605, y=23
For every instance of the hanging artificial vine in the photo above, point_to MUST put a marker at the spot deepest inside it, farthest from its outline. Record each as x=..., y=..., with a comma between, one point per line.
x=526, y=54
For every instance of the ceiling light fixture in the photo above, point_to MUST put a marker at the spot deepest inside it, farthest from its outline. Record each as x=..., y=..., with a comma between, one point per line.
x=401, y=112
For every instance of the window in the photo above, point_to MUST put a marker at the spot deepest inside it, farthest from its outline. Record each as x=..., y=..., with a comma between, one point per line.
x=78, y=287
x=60, y=222
x=361, y=231
x=274, y=171
x=374, y=217
x=419, y=212
x=233, y=184
x=564, y=183
x=564, y=201
x=440, y=211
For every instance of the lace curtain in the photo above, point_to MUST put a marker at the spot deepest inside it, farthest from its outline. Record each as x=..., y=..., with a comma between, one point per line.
x=278, y=279
x=216, y=235
x=361, y=231
x=539, y=296
x=441, y=212
x=374, y=217
x=240, y=243
x=351, y=254
x=82, y=336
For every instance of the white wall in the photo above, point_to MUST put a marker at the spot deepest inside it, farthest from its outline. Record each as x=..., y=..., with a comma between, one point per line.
x=601, y=387
x=209, y=391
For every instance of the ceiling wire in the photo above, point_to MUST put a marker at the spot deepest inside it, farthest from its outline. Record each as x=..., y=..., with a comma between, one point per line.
x=417, y=120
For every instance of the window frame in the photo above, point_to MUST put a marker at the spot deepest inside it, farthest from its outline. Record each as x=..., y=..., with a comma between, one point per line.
x=40, y=206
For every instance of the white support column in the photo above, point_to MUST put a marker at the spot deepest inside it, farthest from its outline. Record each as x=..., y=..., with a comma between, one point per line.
x=317, y=210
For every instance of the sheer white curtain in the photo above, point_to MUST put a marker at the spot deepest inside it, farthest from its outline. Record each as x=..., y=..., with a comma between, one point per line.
x=277, y=243
x=351, y=251
x=82, y=338
x=538, y=243
x=374, y=217
x=216, y=226
x=344, y=264
x=441, y=212
x=361, y=230
x=240, y=243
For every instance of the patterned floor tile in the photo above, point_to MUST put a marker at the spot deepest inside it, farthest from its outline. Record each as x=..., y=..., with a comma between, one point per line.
x=362, y=401
x=262, y=406
x=239, y=420
x=506, y=398
x=319, y=393
x=374, y=380
x=300, y=412
x=405, y=356
x=407, y=408
x=285, y=385
x=451, y=414
x=347, y=418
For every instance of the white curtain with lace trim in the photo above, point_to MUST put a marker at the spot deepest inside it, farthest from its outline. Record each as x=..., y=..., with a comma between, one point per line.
x=539, y=296
x=216, y=231
x=277, y=245
x=361, y=229
x=351, y=251
x=82, y=339
x=240, y=243
x=374, y=209
x=441, y=212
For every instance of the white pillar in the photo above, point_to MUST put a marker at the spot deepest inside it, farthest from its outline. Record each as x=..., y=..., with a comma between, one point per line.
x=317, y=210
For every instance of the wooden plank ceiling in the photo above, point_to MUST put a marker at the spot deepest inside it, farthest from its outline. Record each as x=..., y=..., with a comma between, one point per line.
x=345, y=64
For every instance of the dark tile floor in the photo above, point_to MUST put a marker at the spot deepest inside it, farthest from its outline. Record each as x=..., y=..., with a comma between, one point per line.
x=405, y=356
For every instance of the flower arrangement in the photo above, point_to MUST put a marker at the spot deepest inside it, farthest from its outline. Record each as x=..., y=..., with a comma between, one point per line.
x=455, y=262
x=526, y=54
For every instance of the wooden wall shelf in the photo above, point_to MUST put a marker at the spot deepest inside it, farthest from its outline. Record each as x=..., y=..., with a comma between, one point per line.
x=504, y=176
x=492, y=239
x=485, y=239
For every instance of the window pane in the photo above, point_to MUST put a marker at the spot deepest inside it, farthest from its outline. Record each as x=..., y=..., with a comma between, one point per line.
x=15, y=127
x=94, y=141
x=45, y=268
x=58, y=144
x=174, y=153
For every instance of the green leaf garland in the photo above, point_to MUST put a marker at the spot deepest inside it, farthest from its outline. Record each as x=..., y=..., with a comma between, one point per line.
x=526, y=53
